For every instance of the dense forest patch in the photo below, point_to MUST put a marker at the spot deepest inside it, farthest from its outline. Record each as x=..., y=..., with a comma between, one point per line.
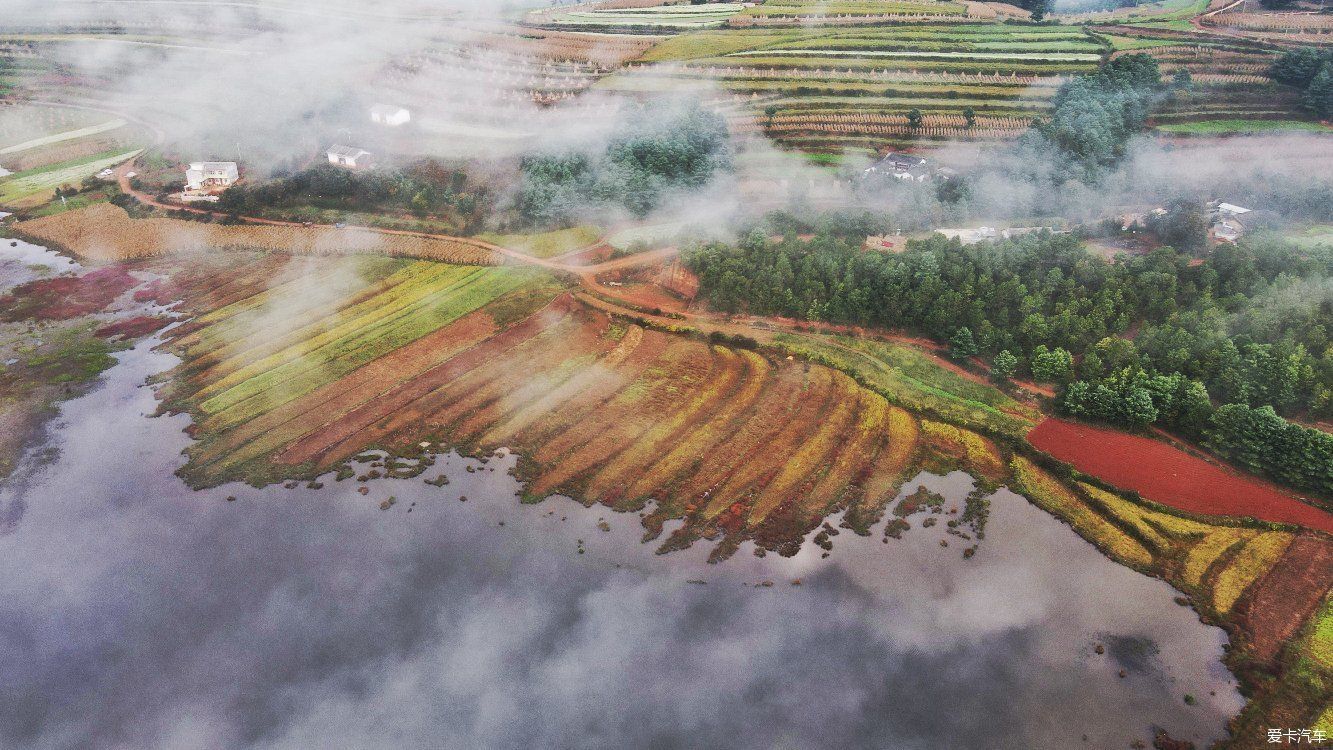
x=1208, y=348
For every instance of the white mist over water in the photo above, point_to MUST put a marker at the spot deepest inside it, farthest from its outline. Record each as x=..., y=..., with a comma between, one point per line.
x=139, y=613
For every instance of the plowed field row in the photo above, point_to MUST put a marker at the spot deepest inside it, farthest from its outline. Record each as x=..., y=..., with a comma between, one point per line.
x=298, y=375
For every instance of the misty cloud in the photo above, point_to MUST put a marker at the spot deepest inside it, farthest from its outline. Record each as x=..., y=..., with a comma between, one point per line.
x=139, y=614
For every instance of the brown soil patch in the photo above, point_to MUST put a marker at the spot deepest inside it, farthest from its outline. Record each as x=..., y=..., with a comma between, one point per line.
x=132, y=328
x=1275, y=608
x=105, y=232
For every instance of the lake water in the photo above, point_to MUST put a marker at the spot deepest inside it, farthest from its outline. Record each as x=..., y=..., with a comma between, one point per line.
x=23, y=261
x=138, y=613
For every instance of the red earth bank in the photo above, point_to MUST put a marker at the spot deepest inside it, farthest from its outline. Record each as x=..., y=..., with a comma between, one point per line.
x=1170, y=476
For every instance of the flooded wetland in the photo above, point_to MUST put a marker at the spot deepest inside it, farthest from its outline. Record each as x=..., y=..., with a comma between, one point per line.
x=301, y=617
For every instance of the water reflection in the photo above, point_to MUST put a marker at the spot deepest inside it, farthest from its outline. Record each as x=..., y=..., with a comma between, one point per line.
x=137, y=613
x=22, y=261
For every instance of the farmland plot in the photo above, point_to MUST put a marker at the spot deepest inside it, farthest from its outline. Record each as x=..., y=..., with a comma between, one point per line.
x=106, y=232
x=1267, y=585
x=824, y=87
x=389, y=354
x=64, y=136
x=38, y=184
x=652, y=17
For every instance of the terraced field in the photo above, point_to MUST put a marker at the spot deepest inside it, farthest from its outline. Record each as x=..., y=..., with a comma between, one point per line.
x=650, y=17
x=828, y=87
x=791, y=12
x=1230, y=91
x=105, y=232
x=459, y=355
x=293, y=367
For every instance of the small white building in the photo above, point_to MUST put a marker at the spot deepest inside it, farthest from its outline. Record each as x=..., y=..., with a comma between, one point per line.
x=210, y=175
x=1226, y=223
x=900, y=167
x=389, y=114
x=348, y=156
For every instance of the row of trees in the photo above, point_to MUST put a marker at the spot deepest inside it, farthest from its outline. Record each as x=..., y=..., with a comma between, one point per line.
x=1154, y=339
x=425, y=188
x=654, y=156
x=1265, y=442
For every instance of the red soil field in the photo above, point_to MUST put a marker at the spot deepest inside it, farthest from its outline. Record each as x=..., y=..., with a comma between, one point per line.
x=66, y=297
x=132, y=328
x=1170, y=476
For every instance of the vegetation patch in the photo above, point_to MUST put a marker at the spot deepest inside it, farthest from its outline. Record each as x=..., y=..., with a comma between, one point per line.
x=66, y=297
x=1049, y=494
x=107, y=232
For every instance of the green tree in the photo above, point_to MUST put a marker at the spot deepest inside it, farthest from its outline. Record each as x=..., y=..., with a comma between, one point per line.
x=970, y=116
x=1137, y=409
x=962, y=344
x=914, y=119
x=1297, y=67
x=1264, y=441
x=1184, y=226
x=1004, y=366
x=1051, y=365
x=420, y=203
x=1318, y=97
x=1093, y=116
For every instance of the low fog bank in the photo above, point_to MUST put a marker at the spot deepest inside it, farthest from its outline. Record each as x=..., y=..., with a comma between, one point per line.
x=1284, y=175
x=145, y=615
x=272, y=85
x=267, y=82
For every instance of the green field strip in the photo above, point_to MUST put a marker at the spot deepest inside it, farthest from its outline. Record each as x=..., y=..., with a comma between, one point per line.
x=1051, y=57
x=333, y=358
x=68, y=135
x=23, y=184
x=345, y=323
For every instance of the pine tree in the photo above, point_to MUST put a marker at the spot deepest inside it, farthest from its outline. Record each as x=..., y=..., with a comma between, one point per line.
x=962, y=344
x=1319, y=96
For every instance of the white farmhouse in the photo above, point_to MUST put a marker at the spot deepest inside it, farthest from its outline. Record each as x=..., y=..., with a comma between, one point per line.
x=900, y=167
x=207, y=175
x=348, y=156
x=389, y=114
